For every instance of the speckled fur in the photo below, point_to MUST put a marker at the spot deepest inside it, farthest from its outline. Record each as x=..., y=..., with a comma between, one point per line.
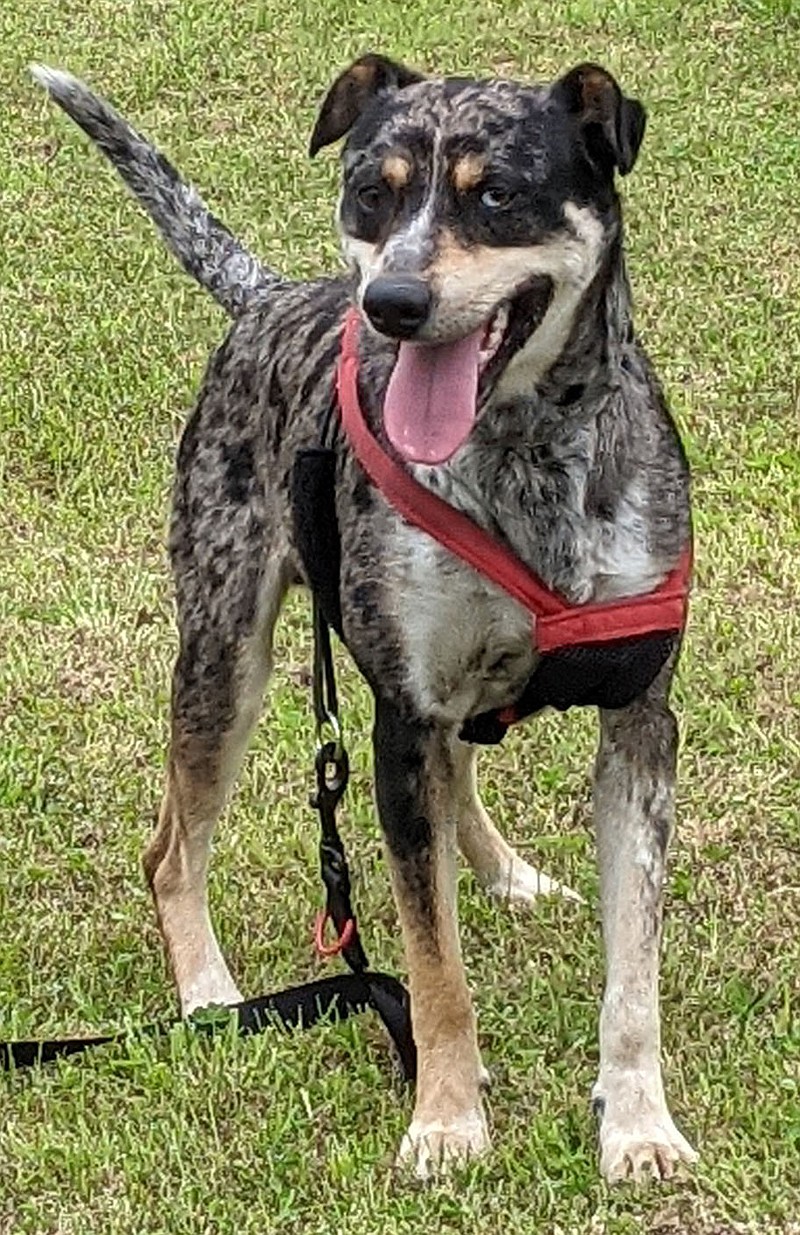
x=574, y=462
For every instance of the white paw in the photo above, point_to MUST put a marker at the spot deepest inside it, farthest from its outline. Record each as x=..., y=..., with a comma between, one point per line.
x=431, y=1148
x=640, y=1145
x=214, y=988
x=523, y=883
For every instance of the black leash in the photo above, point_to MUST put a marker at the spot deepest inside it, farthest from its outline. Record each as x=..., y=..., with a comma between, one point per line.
x=387, y=996
x=300, y=1006
x=294, y=1008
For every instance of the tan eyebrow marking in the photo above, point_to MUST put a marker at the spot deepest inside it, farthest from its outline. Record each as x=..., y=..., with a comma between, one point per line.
x=396, y=170
x=467, y=172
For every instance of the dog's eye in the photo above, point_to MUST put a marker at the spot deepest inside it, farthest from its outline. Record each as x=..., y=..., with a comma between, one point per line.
x=496, y=197
x=369, y=197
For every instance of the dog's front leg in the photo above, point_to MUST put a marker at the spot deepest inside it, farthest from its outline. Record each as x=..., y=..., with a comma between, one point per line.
x=634, y=791
x=414, y=775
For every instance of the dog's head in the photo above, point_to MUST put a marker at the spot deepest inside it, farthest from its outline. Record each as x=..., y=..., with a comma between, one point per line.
x=466, y=207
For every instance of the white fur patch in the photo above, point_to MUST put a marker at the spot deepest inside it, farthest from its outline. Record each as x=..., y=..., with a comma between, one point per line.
x=571, y=262
x=363, y=258
x=638, y=1137
x=468, y=646
x=618, y=554
x=407, y=248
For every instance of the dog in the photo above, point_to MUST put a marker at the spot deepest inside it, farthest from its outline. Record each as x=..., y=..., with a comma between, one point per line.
x=482, y=231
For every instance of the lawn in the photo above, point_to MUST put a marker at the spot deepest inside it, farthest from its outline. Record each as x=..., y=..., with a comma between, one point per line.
x=102, y=344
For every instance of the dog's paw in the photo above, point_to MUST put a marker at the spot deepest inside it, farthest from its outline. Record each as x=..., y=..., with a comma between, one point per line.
x=639, y=1147
x=211, y=989
x=432, y=1148
x=645, y=1154
x=522, y=884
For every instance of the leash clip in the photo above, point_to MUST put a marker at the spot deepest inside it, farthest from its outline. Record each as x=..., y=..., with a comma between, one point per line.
x=332, y=768
x=326, y=702
x=329, y=736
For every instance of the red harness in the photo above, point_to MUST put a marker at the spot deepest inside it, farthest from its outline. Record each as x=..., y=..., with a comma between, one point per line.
x=558, y=624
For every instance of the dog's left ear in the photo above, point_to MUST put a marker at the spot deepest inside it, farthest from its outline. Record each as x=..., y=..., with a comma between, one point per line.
x=350, y=93
x=613, y=125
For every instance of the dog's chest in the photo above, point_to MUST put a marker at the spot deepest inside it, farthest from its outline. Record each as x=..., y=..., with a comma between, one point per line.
x=576, y=511
x=467, y=647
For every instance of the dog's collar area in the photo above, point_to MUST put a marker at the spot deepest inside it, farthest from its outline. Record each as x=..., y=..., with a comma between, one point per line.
x=636, y=634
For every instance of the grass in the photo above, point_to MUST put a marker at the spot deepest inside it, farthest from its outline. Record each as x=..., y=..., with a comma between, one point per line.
x=102, y=343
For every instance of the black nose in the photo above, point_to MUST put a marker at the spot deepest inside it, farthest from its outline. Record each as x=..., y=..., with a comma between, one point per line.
x=397, y=305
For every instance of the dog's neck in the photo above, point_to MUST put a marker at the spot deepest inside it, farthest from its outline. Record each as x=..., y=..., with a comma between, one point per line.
x=602, y=329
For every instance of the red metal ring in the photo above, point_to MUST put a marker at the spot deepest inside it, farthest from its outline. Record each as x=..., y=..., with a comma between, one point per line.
x=327, y=950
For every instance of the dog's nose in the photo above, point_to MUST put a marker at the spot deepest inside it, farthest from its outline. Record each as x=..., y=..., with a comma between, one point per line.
x=397, y=305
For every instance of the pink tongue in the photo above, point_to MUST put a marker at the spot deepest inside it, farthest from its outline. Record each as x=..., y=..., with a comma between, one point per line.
x=430, y=402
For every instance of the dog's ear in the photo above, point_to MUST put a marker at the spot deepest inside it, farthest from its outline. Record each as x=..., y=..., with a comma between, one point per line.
x=613, y=125
x=350, y=93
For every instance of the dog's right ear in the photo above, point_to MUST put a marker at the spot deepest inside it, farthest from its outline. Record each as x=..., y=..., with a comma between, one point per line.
x=350, y=93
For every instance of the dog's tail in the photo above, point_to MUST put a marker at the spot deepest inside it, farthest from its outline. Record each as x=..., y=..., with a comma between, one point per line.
x=204, y=246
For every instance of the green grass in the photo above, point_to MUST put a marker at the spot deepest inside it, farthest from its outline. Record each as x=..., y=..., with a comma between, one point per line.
x=102, y=343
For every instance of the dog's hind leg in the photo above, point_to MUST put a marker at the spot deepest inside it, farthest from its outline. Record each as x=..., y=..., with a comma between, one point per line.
x=218, y=685
x=497, y=866
x=414, y=788
x=634, y=791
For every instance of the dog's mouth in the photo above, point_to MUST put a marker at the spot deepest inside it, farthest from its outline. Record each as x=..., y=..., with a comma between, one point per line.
x=432, y=398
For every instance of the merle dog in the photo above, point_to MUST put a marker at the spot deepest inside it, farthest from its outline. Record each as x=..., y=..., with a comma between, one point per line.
x=483, y=234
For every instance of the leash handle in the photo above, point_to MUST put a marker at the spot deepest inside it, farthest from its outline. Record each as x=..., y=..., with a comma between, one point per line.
x=332, y=769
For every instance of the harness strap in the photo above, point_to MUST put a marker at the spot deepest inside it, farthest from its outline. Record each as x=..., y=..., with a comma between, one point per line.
x=558, y=624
